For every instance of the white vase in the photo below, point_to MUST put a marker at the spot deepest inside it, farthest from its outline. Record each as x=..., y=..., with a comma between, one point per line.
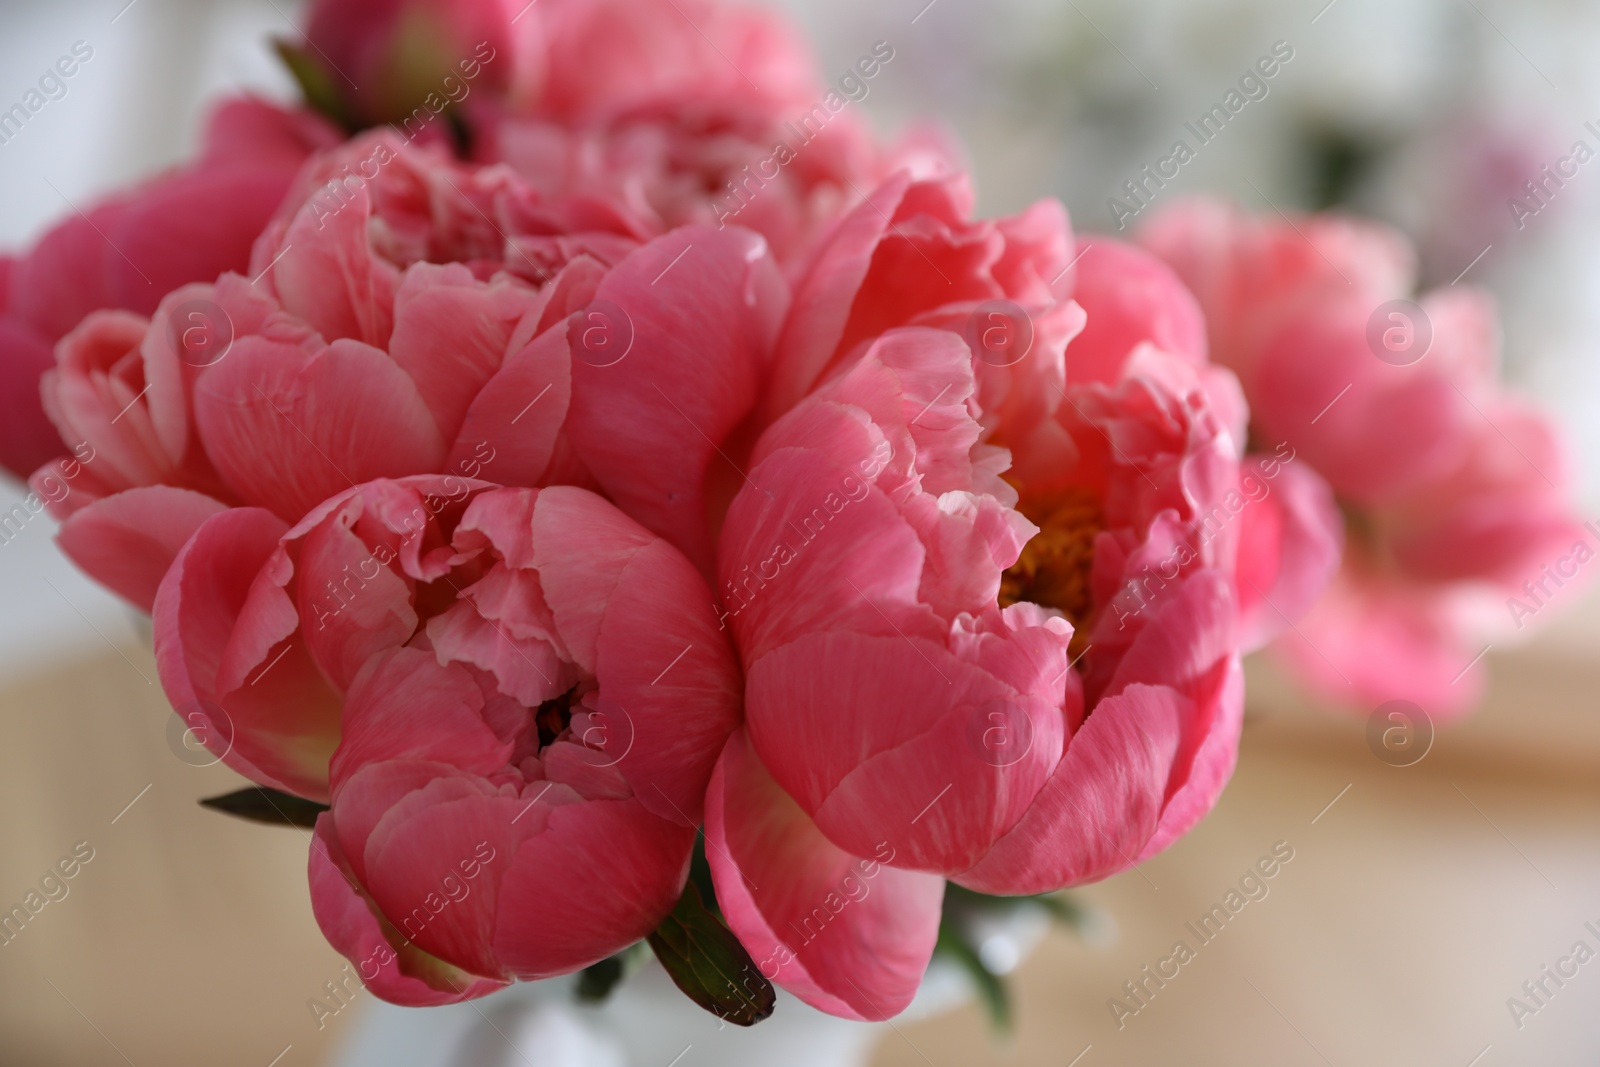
x=646, y=1022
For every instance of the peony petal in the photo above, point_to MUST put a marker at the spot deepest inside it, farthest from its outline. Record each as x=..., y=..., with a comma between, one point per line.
x=289, y=428
x=651, y=425
x=510, y=429
x=670, y=679
x=405, y=705
x=848, y=936
x=451, y=334
x=388, y=965
x=280, y=733
x=1102, y=805
x=885, y=735
x=1290, y=541
x=601, y=875
x=128, y=541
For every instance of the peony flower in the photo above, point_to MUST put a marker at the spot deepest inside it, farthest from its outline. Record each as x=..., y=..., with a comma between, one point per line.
x=527, y=691
x=411, y=316
x=1040, y=310
x=130, y=250
x=1018, y=683
x=1455, y=494
x=262, y=630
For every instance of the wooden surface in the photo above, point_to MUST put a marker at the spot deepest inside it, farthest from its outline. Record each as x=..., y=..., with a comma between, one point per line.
x=1413, y=908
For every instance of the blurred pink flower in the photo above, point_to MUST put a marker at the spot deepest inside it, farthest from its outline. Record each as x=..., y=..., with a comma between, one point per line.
x=688, y=111
x=1018, y=682
x=1454, y=494
x=414, y=320
x=130, y=250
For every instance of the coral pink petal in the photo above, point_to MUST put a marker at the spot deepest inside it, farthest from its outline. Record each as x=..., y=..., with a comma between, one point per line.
x=196, y=611
x=510, y=429
x=27, y=439
x=869, y=733
x=1102, y=804
x=827, y=294
x=602, y=875
x=823, y=551
x=406, y=706
x=288, y=429
x=451, y=335
x=418, y=859
x=701, y=307
x=401, y=976
x=127, y=542
x=1129, y=297
x=671, y=681
x=1209, y=770
x=349, y=604
x=847, y=935
x=581, y=546
x=327, y=274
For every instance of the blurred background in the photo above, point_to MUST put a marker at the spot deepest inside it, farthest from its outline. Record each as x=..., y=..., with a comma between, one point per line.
x=1420, y=898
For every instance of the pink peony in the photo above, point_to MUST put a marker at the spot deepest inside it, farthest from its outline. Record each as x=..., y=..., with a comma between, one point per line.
x=911, y=255
x=1455, y=494
x=527, y=691
x=130, y=250
x=412, y=316
x=1017, y=683
x=263, y=630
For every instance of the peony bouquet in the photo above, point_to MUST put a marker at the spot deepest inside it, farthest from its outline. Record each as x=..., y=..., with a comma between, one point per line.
x=613, y=498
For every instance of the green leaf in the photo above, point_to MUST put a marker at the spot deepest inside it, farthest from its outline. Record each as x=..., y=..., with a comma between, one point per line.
x=316, y=82
x=992, y=989
x=259, y=804
x=597, y=981
x=709, y=964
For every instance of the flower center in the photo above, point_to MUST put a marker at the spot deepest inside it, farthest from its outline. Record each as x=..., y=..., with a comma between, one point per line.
x=554, y=716
x=1054, y=568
